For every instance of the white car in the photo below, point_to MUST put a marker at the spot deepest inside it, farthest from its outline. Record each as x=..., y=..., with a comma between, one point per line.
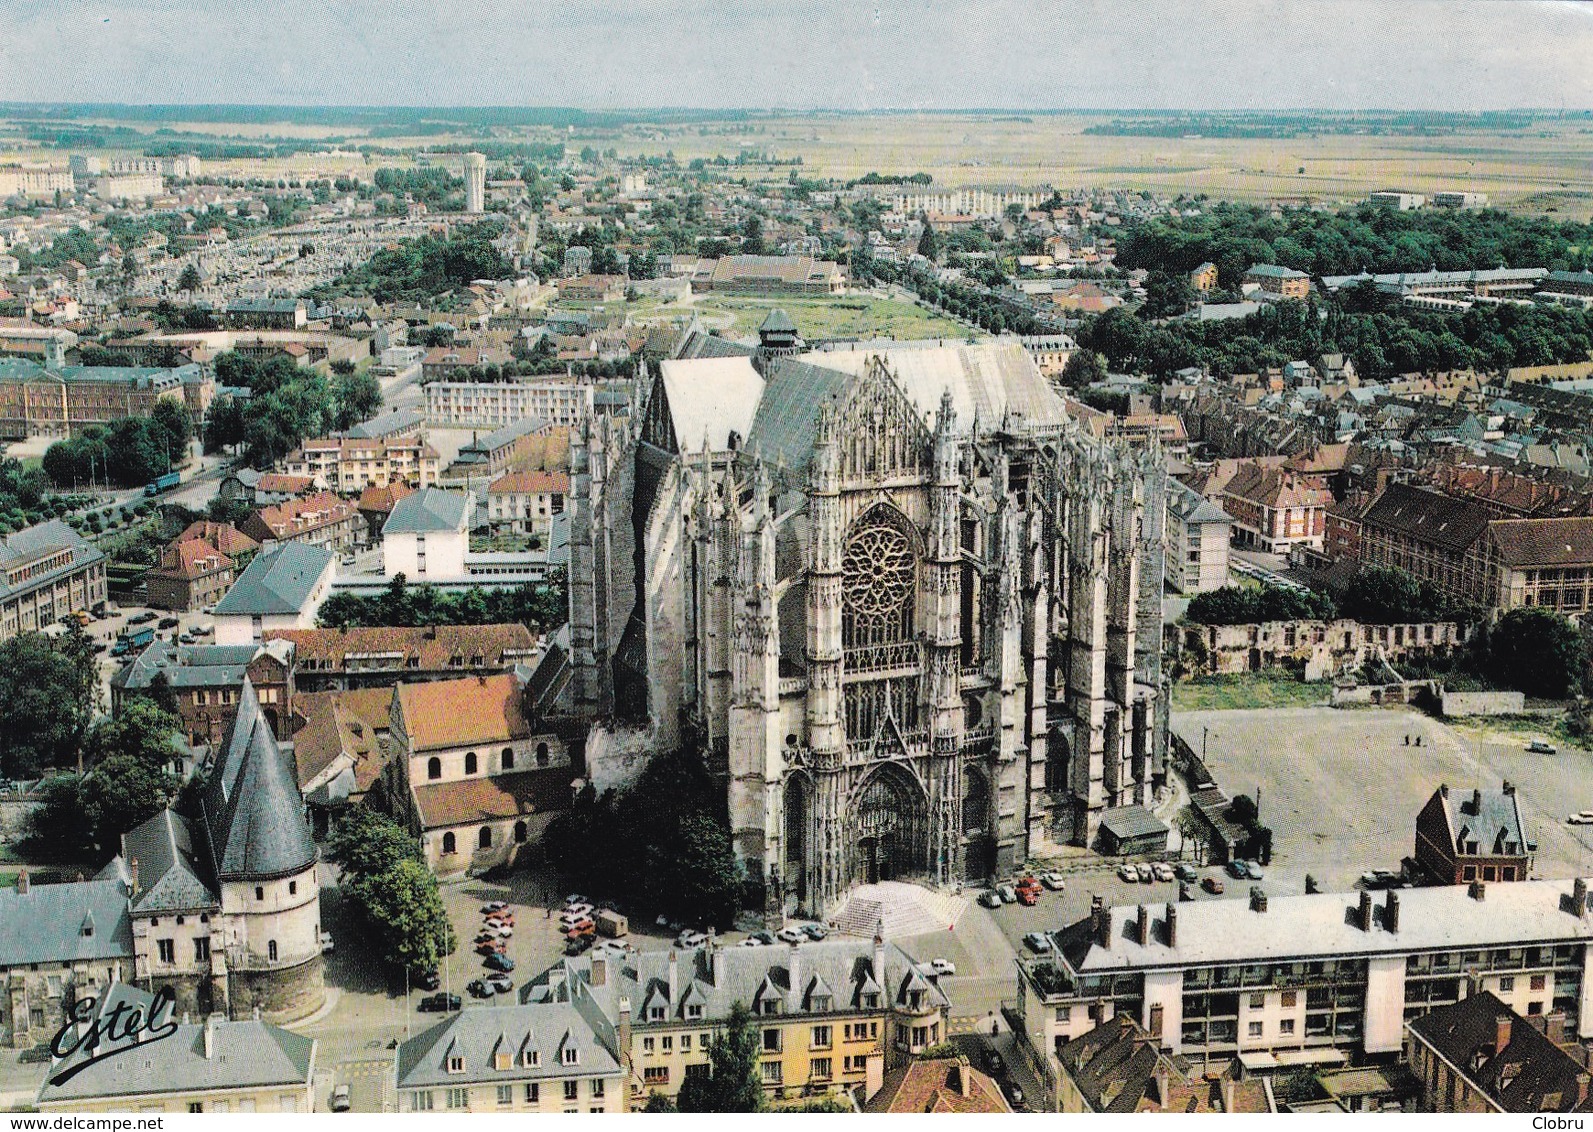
x=1053, y=881
x=989, y=899
x=1144, y=874
x=790, y=935
x=577, y=910
x=943, y=966
x=1126, y=872
x=1163, y=870
x=690, y=939
x=1581, y=817
x=326, y=943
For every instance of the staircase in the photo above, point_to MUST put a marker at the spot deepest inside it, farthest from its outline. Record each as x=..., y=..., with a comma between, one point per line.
x=895, y=909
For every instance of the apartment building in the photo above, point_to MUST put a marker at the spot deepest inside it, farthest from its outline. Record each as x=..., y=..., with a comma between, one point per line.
x=47, y=572
x=526, y=502
x=351, y=464
x=193, y=572
x=471, y=774
x=522, y=446
x=322, y=520
x=1198, y=533
x=61, y=401
x=1274, y=508
x=1310, y=978
x=337, y=660
x=561, y=402
x=281, y=589
x=831, y=1016
x=1547, y=563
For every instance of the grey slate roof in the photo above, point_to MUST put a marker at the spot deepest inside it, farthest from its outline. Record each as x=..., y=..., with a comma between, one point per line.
x=505, y=435
x=1191, y=507
x=778, y=321
x=430, y=509
x=47, y=924
x=247, y=1054
x=787, y=418
x=186, y=666
x=171, y=875
x=251, y=805
x=386, y=424
x=278, y=580
x=479, y=1034
x=38, y=541
x=1491, y=818
x=845, y=967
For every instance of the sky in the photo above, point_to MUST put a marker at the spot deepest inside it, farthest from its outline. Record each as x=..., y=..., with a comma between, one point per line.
x=806, y=54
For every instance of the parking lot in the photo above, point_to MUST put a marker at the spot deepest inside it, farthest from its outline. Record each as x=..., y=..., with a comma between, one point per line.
x=1341, y=788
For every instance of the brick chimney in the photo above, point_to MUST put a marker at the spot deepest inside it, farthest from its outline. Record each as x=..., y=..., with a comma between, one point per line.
x=22, y=883
x=1477, y=890
x=1509, y=788
x=1501, y=1033
x=1579, y=898
x=1582, y=1081
x=794, y=968
x=1258, y=899
x=132, y=868
x=210, y=1036
x=1443, y=789
x=1391, y=913
x=1363, y=915
x=1476, y=802
x=674, y=979
x=965, y=1077
x=1172, y=925
x=599, y=970
x=1142, y=924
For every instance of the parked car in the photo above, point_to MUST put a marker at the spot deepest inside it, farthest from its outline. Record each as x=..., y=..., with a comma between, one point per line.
x=141, y=619
x=690, y=938
x=943, y=966
x=1036, y=942
x=749, y=942
x=1212, y=885
x=500, y=983
x=503, y=918
x=498, y=962
x=326, y=943
x=790, y=935
x=1236, y=869
x=1007, y=893
x=1539, y=747
x=1145, y=873
x=989, y=899
x=167, y=623
x=764, y=938
x=1126, y=872
x=1029, y=881
x=1387, y=878
x=995, y=1065
x=340, y=1101
x=491, y=947
x=1185, y=871
x=478, y=988
x=492, y=906
x=815, y=932
x=427, y=979
x=1014, y=1092
x=440, y=1003
x=1053, y=881
x=577, y=945
x=1253, y=871
x=1162, y=870
x=1581, y=817
x=575, y=898
x=586, y=929
x=579, y=908
x=1028, y=897
x=570, y=919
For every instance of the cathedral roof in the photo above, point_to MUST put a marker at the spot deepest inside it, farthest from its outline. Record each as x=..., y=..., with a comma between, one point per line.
x=712, y=398
x=253, y=812
x=783, y=430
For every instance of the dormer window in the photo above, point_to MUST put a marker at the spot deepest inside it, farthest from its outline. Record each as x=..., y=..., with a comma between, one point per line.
x=530, y=1059
x=915, y=1000
x=655, y=1014
x=870, y=1001
x=820, y=1003
x=570, y=1056
x=502, y=1060
x=456, y=1063
x=769, y=1006
x=694, y=1011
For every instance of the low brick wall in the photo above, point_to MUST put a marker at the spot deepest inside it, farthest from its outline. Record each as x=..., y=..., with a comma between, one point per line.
x=1460, y=704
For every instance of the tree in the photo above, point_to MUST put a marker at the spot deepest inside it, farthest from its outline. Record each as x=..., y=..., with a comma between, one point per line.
x=357, y=397
x=1166, y=294
x=57, y=831
x=172, y=418
x=1387, y=595
x=43, y=707
x=698, y=872
x=1537, y=651
x=1191, y=832
x=129, y=269
x=928, y=244
x=1084, y=368
x=734, y=1080
x=364, y=843
x=118, y=794
x=142, y=730
x=189, y=280
x=404, y=912
x=659, y=1102
x=343, y=367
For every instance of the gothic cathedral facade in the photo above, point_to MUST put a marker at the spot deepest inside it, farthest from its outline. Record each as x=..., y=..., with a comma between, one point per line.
x=910, y=609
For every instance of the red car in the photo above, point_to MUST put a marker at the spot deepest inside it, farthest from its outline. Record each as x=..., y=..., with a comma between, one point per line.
x=1029, y=896
x=496, y=946
x=1212, y=885
x=504, y=918
x=583, y=930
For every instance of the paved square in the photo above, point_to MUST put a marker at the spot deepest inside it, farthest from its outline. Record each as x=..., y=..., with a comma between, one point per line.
x=1341, y=789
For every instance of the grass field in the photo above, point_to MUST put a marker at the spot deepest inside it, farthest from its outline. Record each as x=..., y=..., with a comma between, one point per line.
x=840, y=316
x=1229, y=693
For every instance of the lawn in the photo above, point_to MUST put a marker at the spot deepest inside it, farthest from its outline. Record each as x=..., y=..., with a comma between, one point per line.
x=839, y=316
x=1229, y=693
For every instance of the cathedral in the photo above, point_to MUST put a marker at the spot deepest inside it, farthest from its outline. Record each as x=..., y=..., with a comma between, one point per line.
x=908, y=606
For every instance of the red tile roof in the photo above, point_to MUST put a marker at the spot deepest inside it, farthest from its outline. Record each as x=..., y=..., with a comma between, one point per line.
x=458, y=713
x=1543, y=542
x=474, y=800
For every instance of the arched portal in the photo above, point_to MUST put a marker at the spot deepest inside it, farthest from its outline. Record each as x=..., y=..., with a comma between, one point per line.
x=979, y=850
x=890, y=825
